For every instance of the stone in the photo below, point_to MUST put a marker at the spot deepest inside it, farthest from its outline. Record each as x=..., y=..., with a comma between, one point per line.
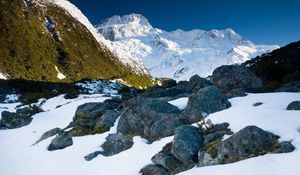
x=238, y=92
x=186, y=143
x=116, y=143
x=229, y=77
x=206, y=101
x=150, y=118
x=248, y=142
x=295, y=105
x=196, y=83
x=49, y=133
x=11, y=120
x=60, y=142
x=257, y=104
x=154, y=170
x=212, y=137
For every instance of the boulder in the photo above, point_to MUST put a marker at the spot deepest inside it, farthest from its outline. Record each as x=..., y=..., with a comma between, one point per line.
x=149, y=118
x=168, y=83
x=196, y=83
x=206, y=101
x=60, y=142
x=295, y=105
x=213, y=137
x=154, y=170
x=169, y=92
x=116, y=143
x=229, y=77
x=186, y=143
x=290, y=87
x=248, y=142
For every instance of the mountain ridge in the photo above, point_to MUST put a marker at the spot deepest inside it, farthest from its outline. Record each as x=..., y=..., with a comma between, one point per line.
x=174, y=54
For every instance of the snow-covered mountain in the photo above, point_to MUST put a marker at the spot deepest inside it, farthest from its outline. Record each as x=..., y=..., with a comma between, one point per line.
x=177, y=54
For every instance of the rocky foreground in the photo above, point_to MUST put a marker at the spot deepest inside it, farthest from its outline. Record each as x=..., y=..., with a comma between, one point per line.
x=155, y=114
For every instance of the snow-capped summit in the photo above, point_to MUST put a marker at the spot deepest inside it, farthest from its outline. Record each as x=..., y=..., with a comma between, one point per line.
x=177, y=54
x=119, y=27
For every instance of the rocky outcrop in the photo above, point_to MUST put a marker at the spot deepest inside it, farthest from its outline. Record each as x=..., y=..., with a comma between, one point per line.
x=295, y=105
x=168, y=83
x=149, y=118
x=154, y=170
x=230, y=77
x=206, y=101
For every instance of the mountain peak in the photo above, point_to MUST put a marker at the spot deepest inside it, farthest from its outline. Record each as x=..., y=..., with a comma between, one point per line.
x=125, y=19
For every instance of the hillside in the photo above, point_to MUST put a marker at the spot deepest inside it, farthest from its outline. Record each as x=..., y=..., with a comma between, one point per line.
x=42, y=41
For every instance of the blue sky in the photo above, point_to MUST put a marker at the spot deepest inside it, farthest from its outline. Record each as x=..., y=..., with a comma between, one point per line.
x=261, y=21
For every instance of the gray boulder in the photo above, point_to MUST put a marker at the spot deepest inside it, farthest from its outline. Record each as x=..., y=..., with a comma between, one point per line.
x=212, y=137
x=231, y=77
x=206, y=101
x=169, y=92
x=60, y=142
x=49, y=133
x=154, y=170
x=295, y=105
x=248, y=142
x=196, y=83
x=149, y=118
x=186, y=144
x=116, y=143
x=238, y=92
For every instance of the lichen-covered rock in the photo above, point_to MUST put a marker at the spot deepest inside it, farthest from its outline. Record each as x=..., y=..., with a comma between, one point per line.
x=238, y=92
x=87, y=114
x=229, y=77
x=206, y=101
x=295, y=105
x=49, y=133
x=186, y=143
x=154, y=170
x=248, y=142
x=149, y=118
x=60, y=142
x=116, y=143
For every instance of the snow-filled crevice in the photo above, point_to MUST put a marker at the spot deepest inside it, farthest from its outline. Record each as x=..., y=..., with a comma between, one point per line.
x=50, y=26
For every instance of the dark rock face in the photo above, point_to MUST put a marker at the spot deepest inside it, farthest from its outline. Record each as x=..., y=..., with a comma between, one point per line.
x=283, y=147
x=186, y=144
x=206, y=101
x=116, y=143
x=196, y=83
x=230, y=77
x=212, y=137
x=248, y=142
x=21, y=117
x=295, y=105
x=154, y=170
x=60, y=142
x=149, y=118
x=168, y=83
x=290, y=87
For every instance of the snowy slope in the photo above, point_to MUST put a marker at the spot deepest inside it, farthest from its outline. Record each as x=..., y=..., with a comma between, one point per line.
x=177, y=54
x=18, y=157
